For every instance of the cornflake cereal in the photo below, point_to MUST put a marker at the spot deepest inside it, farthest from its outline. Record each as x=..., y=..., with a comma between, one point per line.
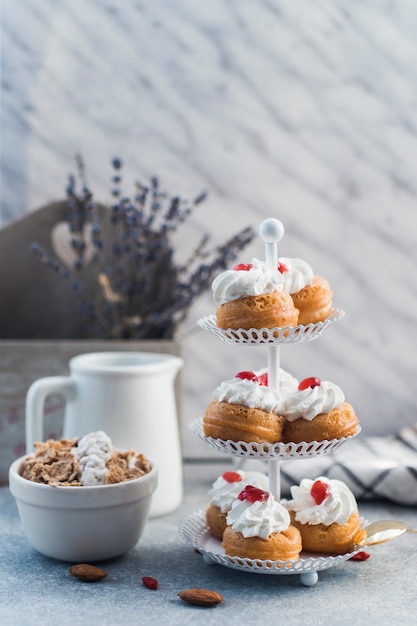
x=87, y=461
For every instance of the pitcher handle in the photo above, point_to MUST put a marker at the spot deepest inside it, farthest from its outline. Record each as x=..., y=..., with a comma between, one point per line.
x=35, y=400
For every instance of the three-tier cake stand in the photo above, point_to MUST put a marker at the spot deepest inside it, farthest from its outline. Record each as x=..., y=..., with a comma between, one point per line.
x=194, y=530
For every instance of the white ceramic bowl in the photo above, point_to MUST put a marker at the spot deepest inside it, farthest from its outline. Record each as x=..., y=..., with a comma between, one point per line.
x=81, y=524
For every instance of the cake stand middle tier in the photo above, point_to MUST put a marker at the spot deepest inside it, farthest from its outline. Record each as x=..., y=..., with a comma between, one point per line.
x=265, y=451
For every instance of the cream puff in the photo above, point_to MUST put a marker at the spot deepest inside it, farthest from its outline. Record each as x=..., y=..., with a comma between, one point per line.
x=314, y=302
x=326, y=514
x=317, y=411
x=224, y=492
x=259, y=527
x=251, y=295
x=311, y=294
x=246, y=409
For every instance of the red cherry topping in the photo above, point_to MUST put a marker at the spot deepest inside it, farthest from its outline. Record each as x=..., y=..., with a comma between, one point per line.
x=312, y=381
x=263, y=379
x=243, y=267
x=232, y=477
x=253, y=494
x=150, y=582
x=282, y=268
x=247, y=375
x=360, y=556
x=319, y=491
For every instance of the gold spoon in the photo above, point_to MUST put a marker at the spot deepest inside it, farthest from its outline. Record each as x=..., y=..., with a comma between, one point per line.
x=384, y=530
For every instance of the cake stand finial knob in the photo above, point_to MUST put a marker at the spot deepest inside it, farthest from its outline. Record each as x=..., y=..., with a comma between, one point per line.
x=271, y=230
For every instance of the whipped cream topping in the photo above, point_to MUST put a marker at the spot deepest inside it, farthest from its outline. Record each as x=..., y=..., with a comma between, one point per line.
x=224, y=493
x=339, y=505
x=234, y=284
x=92, y=452
x=312, y=401
x=251, y=394
x=298, y=276
x=258, y=519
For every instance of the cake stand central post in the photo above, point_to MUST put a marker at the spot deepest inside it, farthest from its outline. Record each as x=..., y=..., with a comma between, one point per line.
x=271, y=232
x=274, y=469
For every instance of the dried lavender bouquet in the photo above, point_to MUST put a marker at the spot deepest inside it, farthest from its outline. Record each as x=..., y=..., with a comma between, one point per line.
x=134, y=287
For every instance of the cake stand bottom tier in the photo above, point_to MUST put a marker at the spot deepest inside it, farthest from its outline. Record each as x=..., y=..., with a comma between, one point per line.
x=194, y=531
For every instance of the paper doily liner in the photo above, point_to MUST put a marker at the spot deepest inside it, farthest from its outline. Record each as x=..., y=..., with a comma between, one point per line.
x=194, y=531
x=264, y=451
x=254, y=336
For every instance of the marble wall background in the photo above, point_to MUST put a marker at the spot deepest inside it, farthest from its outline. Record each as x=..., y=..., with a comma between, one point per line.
x=304, y=111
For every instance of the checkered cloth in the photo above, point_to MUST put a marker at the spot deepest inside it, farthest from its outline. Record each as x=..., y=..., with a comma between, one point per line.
x=374, y=468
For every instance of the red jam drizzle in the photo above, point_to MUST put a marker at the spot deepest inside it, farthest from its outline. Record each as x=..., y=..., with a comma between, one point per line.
x=232, y=477
x=243, y=267
x=253, y=494
x=312, y=381
x=319, y=491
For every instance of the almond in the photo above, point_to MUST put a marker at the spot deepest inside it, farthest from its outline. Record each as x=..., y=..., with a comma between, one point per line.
x=201, y=597
x=87, y=573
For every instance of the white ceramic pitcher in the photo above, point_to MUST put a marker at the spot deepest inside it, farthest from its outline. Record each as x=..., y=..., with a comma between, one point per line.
x=131, y=397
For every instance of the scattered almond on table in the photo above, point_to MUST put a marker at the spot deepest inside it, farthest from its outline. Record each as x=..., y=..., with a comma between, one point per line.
x=87, y=573
x=201, y=597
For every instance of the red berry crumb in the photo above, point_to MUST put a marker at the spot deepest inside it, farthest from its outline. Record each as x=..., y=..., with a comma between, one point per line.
x=253, y=494
x=360, y=556
x=312, y=381
x=282, y=268
x=247, y=375
x=232, y=477
x=319, y=491
x=149, y=582
x=263, y=379
x=243, y=267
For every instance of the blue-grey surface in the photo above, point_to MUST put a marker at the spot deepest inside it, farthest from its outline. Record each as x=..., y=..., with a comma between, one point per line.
x=300, y=110
x=36, y=591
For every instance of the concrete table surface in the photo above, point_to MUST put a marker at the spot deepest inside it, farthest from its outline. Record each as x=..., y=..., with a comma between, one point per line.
x=35, y=590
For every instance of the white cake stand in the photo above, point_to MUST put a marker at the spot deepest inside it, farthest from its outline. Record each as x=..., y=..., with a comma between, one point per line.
x=258, y=336
x=268, y=451
x=194, y=529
